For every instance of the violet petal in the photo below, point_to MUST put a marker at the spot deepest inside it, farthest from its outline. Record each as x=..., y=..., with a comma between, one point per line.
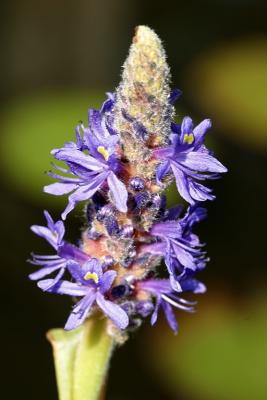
x=118, y=192
x=113, y=311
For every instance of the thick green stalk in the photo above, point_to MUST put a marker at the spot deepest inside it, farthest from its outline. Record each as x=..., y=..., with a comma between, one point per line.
x=81, y=359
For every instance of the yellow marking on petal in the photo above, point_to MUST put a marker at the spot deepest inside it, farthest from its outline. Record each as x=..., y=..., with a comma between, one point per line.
x=91, y=275
x=103, y=151
x=189, y=138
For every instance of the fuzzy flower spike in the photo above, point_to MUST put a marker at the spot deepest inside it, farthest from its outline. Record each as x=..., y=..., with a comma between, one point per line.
x=118, y=168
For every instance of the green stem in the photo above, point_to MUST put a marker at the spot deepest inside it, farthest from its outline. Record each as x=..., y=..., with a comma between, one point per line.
x=81, y=360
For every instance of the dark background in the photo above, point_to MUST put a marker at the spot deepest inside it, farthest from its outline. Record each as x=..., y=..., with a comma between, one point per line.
x=58, y=59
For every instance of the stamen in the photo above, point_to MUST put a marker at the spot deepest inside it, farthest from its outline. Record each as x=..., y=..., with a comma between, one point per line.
x=177, y=305
x=104, y=152
x=189, y=138
x=91, y=275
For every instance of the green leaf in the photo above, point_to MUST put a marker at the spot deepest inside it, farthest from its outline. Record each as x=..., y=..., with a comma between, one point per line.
x=81, y=359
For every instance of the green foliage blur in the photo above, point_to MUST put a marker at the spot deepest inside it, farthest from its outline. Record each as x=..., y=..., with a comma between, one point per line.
x=58, y=60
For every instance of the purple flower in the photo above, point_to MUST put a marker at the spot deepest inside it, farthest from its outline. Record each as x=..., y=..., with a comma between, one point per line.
x=176, y=242
x=54, y=234
x=166, y=298
x=91, y=284
x=189, y=160
x=90, y=172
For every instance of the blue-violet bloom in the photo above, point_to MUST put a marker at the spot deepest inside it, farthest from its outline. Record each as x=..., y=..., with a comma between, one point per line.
x=166, y=298
x=189, y=160
x=91, y=284
x=180, y=247
x=54, y=234
x=91, y=172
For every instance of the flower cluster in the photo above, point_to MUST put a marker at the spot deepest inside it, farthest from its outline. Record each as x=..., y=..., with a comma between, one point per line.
x=119, y=167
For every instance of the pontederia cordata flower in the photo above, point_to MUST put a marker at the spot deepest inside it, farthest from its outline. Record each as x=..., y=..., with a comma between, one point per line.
x=54, y=234
x=119, y=167
x=94, y=171
x=91, y=283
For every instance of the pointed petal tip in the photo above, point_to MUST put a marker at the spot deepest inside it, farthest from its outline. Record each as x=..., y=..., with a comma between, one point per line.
x=33, y=228
x=32, y=276
x=54, y=152
x=64, y=216
x=44, y=284
x=67, y=210
x=69, y=327
x=201, y=288
x=47, y=215
x=208, y=123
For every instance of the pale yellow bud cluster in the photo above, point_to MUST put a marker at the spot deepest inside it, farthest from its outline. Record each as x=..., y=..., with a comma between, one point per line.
x=143, y=96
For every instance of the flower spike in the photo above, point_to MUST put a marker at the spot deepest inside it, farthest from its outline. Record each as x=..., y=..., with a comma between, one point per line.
x=119, y=167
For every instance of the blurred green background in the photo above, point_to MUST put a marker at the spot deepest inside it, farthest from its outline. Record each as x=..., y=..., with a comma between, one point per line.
x=58, y=59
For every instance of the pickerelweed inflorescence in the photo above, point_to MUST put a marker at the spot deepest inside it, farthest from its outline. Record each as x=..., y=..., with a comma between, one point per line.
x=120, y=167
